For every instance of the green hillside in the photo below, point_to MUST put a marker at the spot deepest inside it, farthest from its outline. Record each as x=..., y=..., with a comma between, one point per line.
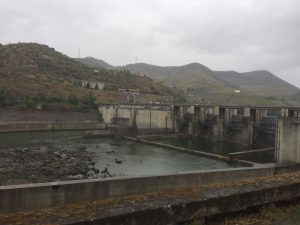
x=95, y=63
x=217, y=87
x=261, y=82
x=257, y=87
x=36, y=76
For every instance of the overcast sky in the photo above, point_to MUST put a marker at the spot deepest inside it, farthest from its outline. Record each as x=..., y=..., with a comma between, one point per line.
x=241, y=35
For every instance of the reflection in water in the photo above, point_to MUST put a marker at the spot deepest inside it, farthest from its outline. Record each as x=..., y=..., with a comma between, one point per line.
x=122, y=158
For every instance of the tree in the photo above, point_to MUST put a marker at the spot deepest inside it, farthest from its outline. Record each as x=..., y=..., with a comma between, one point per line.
x=2, y=98
x=30, y=103
x=89, y=99
x=72, y=99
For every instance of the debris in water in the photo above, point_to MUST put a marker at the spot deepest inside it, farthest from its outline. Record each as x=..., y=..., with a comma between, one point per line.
x=114, y=144
x=82, y=147
x=105, y=173
x=118, y=161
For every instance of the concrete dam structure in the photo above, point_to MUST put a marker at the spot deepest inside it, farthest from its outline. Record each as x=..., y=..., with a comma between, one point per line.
x=178, y=197
x=251, y=126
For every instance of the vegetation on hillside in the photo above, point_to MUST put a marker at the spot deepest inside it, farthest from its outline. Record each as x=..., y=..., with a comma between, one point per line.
x=257, y=87
x=217, y=87
x=35, y=76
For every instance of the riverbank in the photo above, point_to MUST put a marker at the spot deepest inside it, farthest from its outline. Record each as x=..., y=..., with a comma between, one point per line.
x=44, y=164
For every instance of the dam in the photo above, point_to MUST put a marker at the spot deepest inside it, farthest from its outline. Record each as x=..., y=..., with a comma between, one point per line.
x=154, y=150
x=252, y=127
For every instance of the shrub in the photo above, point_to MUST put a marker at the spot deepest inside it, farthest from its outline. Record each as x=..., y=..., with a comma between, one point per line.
x=89, y=99
x=30, y=103
x=72, y=99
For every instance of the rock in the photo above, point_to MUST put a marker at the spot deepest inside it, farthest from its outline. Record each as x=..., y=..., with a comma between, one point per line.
x=75, y=177
x=114, y=144
x=82, y=147
x=105, y=170
x=118, y=161
x=91, y=174
x=63, y=156
x=105, y=173
x=112, y=151
x=96, y=170
x=43, y=148
x=57, y=153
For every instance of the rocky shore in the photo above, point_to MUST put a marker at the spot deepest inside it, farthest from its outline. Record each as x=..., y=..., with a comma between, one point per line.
x=45, y=164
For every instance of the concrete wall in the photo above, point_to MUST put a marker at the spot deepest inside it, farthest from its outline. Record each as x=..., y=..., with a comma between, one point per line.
x=93, y=84
x=48, y=126
x=36, y=196
x=108, y=113
x=217, y=122
x=156, y=119
x=288, y=140
x=141, y=118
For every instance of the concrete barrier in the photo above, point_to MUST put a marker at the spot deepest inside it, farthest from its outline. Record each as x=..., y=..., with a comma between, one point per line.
x=251, y=153
x=16, y=198
x=17, y=126
x=162, y=136
x=195, y=152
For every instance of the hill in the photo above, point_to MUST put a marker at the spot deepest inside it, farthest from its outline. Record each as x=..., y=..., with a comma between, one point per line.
x=261, y=82
x=95, y=63
x=191, y=76
x=205, y=85
x=36, y=76
x=257, y=87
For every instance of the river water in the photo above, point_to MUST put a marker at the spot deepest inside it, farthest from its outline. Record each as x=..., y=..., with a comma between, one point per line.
x=121, y=157
x=205, y=145
x=218, y=148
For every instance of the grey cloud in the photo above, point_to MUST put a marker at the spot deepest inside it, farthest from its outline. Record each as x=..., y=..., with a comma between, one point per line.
x=228, y=34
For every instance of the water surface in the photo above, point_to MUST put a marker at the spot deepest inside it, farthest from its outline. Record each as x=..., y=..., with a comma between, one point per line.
x=121, y=157
x=218, y=148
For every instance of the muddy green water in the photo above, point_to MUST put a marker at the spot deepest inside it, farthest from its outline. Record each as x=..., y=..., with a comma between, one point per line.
x=137, y=159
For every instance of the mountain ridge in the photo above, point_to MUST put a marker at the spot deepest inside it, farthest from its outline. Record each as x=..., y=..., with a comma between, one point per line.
x=199, y=80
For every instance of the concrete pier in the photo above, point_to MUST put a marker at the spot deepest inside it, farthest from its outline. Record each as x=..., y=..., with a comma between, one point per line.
x=288, y=137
